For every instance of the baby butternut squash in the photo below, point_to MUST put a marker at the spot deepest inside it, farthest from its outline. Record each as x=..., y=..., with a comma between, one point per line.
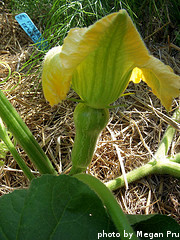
x=89, y=122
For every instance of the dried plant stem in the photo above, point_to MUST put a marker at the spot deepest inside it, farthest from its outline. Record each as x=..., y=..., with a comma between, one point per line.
x=159, y=164
x=119, y=157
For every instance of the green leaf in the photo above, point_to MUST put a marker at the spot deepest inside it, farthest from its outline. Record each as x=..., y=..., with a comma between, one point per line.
x=24, y=136
x=156, y=226
x=11, y=206
x=1, y=163
x=3, y=150
x=54, y=207
x=134, y=219
x=62, y=207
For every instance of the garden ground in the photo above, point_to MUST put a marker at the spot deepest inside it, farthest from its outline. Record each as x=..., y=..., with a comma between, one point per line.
x=135, y=128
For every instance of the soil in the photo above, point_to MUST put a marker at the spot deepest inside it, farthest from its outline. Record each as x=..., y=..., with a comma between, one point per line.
x=135, y=127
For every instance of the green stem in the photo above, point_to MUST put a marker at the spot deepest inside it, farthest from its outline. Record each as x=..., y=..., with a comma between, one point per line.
x=4, y=136
x=168, y=167
x=175, y=158
x=24, y=136
x=160, y=164
x=132, y=176
x=89, y=123
x=167, y=138
x=119, y=218
x=152, y=167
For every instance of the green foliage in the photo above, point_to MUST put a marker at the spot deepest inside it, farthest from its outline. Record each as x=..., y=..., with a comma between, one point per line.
x=3, y=150
x=55, y=18
x=36, y=9
x=62, y=207
x=53, y=208
x=11, y=147
x=23, y=136
x=156, y=226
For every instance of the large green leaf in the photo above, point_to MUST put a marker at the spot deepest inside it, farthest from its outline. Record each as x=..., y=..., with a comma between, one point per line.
x=155, y=226
x=11, y=206
x=54, y=207
x=62, y=207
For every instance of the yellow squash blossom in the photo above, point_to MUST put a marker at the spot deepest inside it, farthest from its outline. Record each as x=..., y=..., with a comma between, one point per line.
x=99, y=61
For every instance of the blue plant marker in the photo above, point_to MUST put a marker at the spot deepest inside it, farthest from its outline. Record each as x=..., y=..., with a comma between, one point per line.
x=28, y=26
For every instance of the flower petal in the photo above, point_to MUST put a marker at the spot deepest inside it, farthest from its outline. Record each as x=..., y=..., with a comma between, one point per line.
x=102, y=58
x=163, y=82
x=55, y=84
x=137, y=75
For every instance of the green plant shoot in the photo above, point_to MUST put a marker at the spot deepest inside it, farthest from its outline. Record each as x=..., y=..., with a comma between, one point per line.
x=89, y=123
x=24, y=136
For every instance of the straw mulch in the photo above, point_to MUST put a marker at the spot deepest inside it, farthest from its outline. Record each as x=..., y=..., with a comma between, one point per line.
x=135, y=129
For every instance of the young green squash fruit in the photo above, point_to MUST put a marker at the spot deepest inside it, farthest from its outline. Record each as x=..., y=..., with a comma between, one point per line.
x=89, y=122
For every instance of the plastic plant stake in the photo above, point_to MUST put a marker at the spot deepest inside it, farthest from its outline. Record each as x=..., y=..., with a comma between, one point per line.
x=32, y=31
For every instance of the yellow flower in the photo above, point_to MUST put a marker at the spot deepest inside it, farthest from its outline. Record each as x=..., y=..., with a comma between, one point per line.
x=99, y=61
